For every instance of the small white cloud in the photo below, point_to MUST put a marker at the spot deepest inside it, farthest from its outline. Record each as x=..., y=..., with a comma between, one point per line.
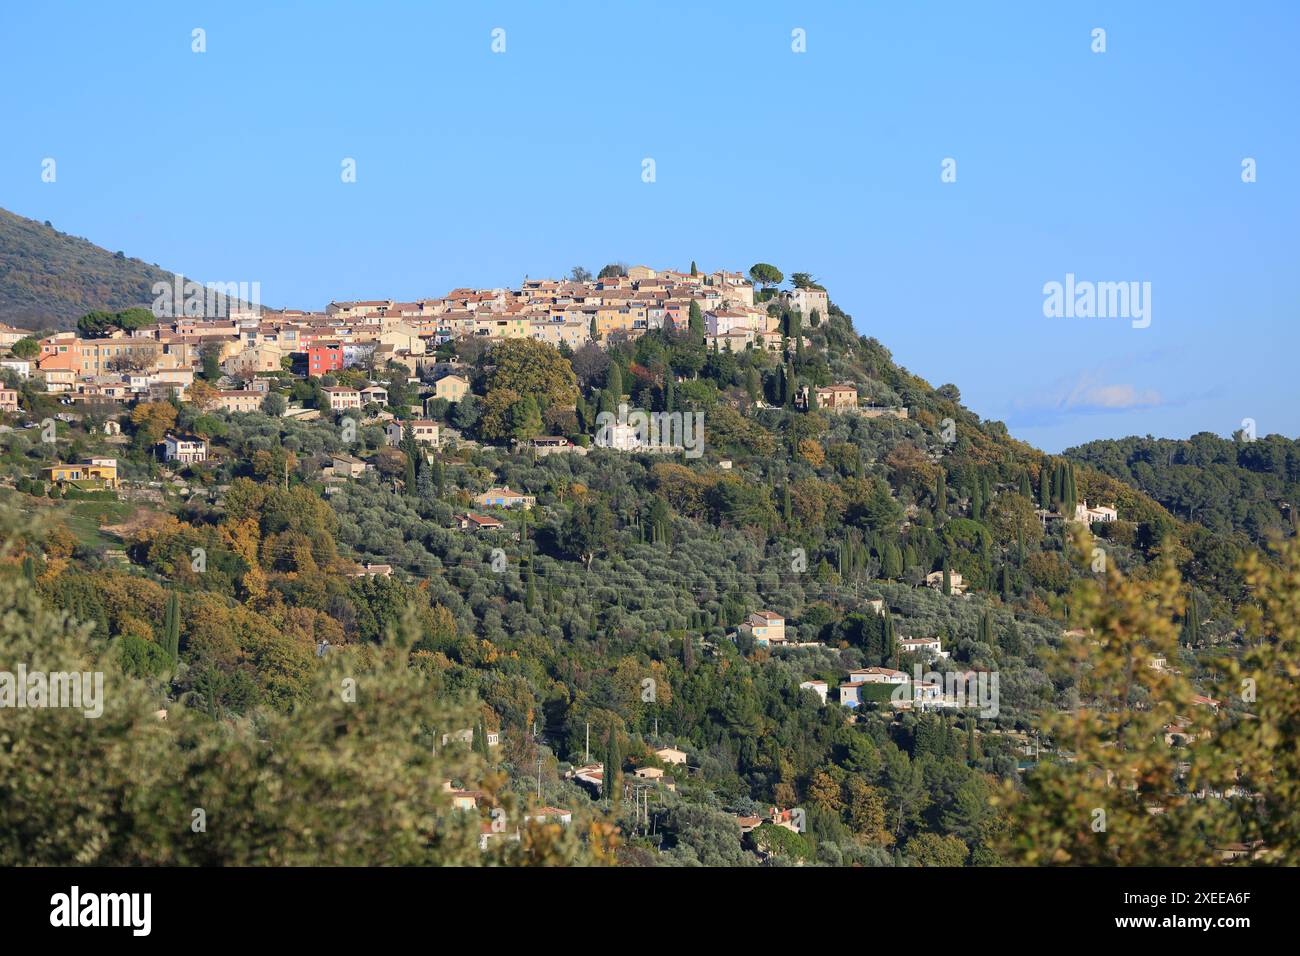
x=1087, y=393
x=1114, y=397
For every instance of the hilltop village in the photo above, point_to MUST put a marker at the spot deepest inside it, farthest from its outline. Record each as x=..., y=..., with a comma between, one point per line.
x=826, y=638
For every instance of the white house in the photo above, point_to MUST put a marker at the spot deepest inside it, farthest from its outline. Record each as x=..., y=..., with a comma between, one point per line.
x=424, y=431
x=1101, y=513
x=341, y=399
x=818, y=687
x=922, y=645
x=671, y=755
x=877, y=675
x=185, y=449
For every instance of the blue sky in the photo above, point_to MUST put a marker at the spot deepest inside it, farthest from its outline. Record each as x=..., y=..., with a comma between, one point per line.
x=475, y=168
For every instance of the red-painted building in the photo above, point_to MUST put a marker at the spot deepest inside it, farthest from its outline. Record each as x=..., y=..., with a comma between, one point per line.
x=323, y=359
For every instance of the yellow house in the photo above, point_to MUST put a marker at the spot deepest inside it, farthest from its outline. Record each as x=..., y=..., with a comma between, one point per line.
x=451, y=387
x=630, y=318
x=102, y=470
x=768, y=628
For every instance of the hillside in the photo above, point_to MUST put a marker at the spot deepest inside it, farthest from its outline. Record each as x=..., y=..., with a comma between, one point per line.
x=607, y=619
x=1230, y=486
x=50, y=279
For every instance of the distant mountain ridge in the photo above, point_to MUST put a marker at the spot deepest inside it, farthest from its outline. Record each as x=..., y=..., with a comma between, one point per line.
x=50, y=279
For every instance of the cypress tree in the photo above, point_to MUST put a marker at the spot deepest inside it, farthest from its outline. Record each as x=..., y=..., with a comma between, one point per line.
x=947, y=579
x=172, y=626
x=1192, y=621
x=892, y=565
x=695, y=327
x=530, y=594
x=408, y=476
x=613, y=766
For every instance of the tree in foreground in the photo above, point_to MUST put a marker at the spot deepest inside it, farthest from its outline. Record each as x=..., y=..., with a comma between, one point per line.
x=1146, y=772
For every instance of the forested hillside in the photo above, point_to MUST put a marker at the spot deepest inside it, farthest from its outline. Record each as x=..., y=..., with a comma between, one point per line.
x=49, y=279
x=1239, y=484
x=605, y=625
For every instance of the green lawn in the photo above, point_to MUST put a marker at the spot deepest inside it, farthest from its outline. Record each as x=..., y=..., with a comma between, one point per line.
x=83, y=519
